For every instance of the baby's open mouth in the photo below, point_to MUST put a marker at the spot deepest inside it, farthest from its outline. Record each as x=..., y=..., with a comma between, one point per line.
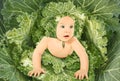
x=66, y=36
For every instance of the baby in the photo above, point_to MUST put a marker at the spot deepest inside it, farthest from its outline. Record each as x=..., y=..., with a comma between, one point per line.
x=61, y=46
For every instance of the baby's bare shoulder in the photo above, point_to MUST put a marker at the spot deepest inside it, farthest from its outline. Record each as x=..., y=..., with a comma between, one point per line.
x=73, y=39
x=49, y=39
x=52, y=39
x=45, y=38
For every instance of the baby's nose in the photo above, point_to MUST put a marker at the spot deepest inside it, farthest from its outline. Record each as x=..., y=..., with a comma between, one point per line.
x=67, y=30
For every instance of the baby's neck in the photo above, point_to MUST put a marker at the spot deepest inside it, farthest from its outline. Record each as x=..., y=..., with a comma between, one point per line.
x=64, y=42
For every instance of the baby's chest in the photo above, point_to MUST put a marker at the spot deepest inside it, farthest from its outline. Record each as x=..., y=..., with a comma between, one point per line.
x=57, y=49
x=58, y=46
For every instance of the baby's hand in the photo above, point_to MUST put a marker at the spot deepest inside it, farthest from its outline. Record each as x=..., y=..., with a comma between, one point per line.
x=36, y=72
x=81, y=74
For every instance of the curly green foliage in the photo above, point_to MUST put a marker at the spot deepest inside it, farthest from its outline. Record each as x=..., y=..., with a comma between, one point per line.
x=26, y=61
x=17, y=35
x=13, y=8
x=57, y=64
x=58, y=10
x=37, y=28
x=17, y=38
x=111, y=71
x=8, y=69
x=96, y=34
x=26, y=22
x=54, y=67
x=37, y=32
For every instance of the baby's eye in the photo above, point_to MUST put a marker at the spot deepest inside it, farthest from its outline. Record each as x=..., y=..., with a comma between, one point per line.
x=62, y=26
x=71, y=26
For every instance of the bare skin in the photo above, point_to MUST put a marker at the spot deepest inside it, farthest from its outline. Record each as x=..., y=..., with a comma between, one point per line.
x=65, y=32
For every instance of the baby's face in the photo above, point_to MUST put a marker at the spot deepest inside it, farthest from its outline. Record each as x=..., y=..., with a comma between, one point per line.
x=65, y=28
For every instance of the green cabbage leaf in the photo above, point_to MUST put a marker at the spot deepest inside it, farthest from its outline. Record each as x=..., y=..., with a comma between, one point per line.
x=111, y=71
x=23, y=23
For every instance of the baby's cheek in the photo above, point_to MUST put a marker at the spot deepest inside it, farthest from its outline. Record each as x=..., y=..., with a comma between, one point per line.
x=59, y=35
x=72, y=33
x=59, y=31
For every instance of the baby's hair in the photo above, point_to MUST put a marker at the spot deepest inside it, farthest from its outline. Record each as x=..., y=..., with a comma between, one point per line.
x=57, y=19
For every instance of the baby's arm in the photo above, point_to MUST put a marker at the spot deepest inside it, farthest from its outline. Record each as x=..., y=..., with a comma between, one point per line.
x=79, y=49
x=36, y=58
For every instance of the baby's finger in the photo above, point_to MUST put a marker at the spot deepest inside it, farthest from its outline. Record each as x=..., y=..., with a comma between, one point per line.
x=76, y=75
x=80, y=76
x=43, y=71
x=35, y=74
x=38, y=73
x=86, y=76
x=31, y=73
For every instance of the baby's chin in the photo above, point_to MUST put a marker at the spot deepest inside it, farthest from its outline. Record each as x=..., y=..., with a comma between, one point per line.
x=65, y=39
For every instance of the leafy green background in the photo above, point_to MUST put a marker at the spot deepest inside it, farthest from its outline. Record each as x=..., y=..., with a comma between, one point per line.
x=23, y=23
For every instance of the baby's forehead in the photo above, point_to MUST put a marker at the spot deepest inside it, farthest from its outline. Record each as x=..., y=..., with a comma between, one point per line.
x=66, y=20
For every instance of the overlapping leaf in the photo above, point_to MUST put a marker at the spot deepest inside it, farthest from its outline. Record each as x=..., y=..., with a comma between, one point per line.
x=28, y=21
x=8, y=71
x=97, y=35
x=18, y=35
x=58, y=10
x=13, y=8
x=112, y=69
x=104, y=8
